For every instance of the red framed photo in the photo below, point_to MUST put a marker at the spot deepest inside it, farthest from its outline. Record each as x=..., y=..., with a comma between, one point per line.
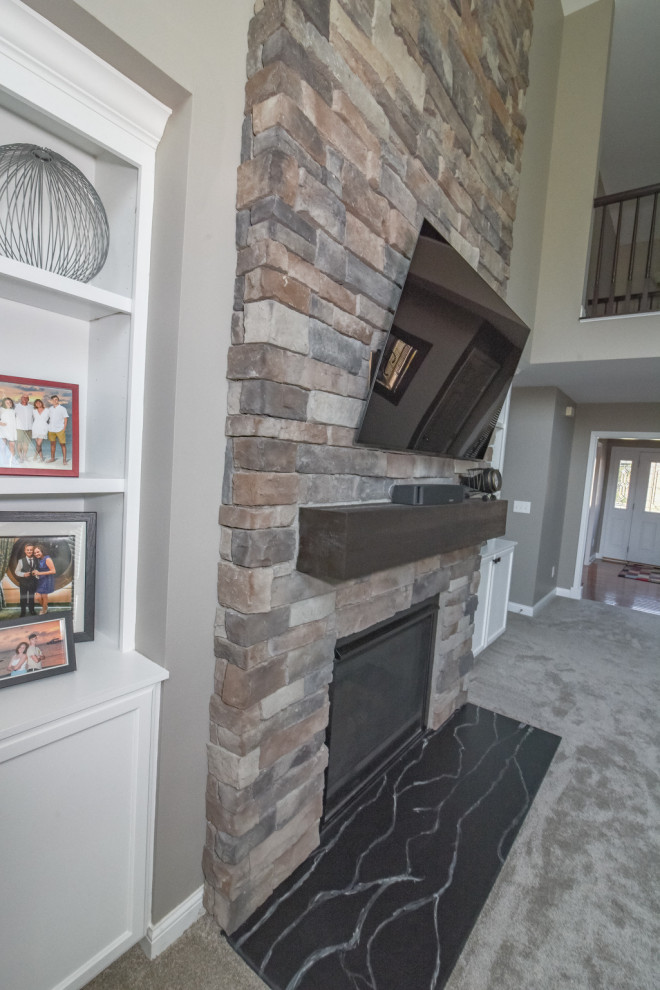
x=38, y=427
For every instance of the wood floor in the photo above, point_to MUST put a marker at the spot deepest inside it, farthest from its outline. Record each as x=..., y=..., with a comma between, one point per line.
x=601, y=583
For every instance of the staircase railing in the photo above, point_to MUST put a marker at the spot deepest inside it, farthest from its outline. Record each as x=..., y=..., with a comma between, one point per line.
x=624, y=265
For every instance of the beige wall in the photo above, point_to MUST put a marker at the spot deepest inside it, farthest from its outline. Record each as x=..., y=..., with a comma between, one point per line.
x=192, y=56
x=558, y=334
x=539, y=108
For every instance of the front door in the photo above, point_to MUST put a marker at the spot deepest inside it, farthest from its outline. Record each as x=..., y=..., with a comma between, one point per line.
x=631, y=520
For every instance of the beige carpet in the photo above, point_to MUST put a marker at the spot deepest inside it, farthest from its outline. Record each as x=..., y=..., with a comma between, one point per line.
x=577, y=904
x=200, y=960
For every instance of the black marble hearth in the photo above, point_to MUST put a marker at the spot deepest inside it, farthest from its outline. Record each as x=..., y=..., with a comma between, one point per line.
x=389, y=898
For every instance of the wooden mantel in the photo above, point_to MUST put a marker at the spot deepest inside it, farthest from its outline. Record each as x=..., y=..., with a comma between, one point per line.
x=350, y=541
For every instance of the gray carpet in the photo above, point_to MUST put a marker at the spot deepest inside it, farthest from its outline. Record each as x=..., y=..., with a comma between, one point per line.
x=577, y=902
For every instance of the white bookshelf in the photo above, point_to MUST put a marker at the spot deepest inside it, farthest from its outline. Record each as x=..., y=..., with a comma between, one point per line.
x=55, y=93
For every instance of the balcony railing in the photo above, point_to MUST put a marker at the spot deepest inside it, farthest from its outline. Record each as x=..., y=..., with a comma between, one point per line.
x=624, y=265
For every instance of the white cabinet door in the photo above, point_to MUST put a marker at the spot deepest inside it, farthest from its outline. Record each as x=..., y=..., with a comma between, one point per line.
x=481, y=615
x=500, y=583
x=76, y=852
x=490, y=617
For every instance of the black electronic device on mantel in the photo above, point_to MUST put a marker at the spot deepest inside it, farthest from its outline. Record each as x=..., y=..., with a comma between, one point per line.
x=429, y=494
x=444, y=372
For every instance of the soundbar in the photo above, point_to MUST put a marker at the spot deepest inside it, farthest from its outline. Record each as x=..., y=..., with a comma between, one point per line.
x=428, y=494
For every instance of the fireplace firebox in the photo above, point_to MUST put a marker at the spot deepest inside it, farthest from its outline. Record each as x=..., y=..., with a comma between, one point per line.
x=378, y=699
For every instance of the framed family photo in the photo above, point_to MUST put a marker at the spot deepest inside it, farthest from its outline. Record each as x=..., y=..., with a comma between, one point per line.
x=35, y=647
x=38, y=427
x=48, y=567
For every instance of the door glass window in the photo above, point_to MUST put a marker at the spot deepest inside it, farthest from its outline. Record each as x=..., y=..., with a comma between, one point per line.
x=653, y=491
x=623, y=485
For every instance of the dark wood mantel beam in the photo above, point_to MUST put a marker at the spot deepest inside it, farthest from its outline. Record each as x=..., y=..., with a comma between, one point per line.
x=350, y=541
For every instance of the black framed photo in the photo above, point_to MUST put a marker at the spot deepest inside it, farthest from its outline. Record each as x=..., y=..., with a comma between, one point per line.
x=35, y=646
x=48, y=567
x=38, y=427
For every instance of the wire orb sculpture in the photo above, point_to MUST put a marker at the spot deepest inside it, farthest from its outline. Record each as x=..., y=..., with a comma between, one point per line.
x=50, y=214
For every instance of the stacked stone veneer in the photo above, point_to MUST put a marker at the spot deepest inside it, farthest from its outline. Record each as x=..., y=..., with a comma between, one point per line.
x=362, y=118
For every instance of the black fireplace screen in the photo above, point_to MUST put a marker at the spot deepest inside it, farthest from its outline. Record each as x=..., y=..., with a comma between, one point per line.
x=378, y=699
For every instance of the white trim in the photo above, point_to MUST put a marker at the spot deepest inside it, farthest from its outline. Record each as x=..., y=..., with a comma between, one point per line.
x=533, y=610
x=569, y=592
x=520, y=609
x=163, y=934
x=41, y=49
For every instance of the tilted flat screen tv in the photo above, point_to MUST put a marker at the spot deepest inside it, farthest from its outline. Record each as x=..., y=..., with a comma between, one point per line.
x=447, y=364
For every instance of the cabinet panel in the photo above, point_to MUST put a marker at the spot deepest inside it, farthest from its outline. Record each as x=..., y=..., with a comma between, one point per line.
x=490, y=617
x=74, y=868
x=500, y=582
x=481, y=615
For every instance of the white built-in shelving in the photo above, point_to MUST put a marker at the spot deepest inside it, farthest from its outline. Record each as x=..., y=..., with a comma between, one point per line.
x=89, y=735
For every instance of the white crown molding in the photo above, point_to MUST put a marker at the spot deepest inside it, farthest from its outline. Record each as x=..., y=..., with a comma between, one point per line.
x=31, y=44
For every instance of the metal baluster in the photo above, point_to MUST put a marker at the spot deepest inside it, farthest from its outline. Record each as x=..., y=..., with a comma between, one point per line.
x=650, y=289
x=592, y=309
x=631, y=262
x=610, y=306
x=648, y=299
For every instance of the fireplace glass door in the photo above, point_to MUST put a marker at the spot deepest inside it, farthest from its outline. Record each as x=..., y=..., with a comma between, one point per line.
x=378, y=699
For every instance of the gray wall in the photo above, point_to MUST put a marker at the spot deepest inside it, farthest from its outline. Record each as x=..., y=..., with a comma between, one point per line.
x=191, y=56
x=536, y=470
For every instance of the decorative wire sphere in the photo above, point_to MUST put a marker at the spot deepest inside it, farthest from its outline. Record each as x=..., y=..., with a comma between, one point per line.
x=50, y=214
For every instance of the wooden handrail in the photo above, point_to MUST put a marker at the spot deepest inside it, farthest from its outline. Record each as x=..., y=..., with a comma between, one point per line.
x=629, y=194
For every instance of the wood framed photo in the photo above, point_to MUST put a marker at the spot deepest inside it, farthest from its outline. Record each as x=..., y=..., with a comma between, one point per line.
x=35, y=646
x=48, y=562
x=38, y=427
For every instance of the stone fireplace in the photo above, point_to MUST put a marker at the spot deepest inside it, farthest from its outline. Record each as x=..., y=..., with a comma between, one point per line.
x=363, y=117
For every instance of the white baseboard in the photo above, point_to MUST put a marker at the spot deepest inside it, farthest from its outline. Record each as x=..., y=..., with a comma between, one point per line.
x=173, y=925
x=520, y=609
x=532, y=610
x=569, y=592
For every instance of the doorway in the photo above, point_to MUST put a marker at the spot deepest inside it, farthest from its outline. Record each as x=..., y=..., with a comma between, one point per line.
x=606, y=482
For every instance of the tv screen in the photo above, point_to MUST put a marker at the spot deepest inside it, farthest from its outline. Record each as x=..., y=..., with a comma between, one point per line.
x=448, y=361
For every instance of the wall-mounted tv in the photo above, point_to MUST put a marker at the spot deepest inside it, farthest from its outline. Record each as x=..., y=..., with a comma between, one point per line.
x=448, y=362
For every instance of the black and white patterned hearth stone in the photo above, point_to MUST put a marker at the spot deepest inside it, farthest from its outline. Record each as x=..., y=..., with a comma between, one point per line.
x=389, y=898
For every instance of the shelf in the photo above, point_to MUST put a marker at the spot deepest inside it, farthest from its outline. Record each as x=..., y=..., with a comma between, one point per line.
x=102, y=674
x=35, y=287
x=84, y=485
x=341, y=542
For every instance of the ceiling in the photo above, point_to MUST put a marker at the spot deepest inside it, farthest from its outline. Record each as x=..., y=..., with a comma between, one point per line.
x=630, y=380
x=631, y=119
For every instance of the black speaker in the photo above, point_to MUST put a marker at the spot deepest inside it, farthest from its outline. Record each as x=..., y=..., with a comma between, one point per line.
x=428, y=494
